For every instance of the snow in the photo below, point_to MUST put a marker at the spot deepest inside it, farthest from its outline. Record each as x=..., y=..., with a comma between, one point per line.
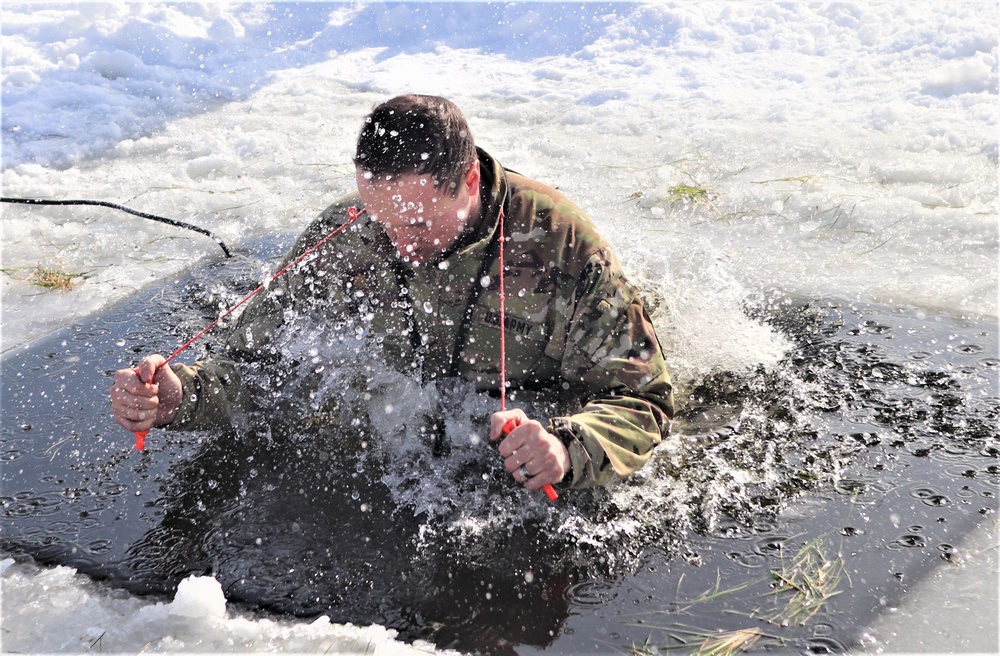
x=845, y=149
x=57, y=610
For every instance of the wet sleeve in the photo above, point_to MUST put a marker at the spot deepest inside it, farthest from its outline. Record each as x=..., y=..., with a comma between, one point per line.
x=612, y=352
x=212, y=390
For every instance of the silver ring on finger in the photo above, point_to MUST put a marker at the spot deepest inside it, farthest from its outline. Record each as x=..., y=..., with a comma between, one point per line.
x=524, y=472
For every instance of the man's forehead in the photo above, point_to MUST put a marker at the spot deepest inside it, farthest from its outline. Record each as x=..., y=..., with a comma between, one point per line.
x=396, y=180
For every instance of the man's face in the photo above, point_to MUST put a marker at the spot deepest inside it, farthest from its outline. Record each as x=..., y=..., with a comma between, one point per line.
x=421, y=220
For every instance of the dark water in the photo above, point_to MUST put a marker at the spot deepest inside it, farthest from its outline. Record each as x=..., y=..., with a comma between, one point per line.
x=848, y=471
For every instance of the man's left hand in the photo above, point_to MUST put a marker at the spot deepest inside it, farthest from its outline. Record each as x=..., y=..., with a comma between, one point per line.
x=531, y=449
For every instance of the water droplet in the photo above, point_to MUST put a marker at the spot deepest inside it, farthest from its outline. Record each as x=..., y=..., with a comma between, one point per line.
x=936, y=500
x=923, y=492
x=120, y=342
x=428, y=308
x=911, y=541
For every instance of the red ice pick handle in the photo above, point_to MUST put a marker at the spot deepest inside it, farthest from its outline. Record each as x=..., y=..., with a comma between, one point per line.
x=140, y=436
x=549, y=491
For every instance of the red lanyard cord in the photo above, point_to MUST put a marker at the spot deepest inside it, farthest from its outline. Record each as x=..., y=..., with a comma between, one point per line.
x=510, y=425
x=503, y=317
x=352, y=215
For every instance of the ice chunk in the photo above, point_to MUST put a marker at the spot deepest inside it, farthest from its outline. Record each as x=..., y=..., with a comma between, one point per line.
x=199, y=596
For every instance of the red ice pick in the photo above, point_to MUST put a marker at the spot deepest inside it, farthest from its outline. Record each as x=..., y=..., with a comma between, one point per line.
x=549, y=491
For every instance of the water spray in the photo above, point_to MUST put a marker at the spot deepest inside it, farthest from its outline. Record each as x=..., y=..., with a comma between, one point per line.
x=352, y=215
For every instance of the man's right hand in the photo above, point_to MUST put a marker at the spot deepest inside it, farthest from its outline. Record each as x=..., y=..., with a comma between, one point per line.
x=146, y=396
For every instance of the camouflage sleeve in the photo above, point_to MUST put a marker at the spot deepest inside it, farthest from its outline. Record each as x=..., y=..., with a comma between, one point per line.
x=212, y=390
x=611, y=350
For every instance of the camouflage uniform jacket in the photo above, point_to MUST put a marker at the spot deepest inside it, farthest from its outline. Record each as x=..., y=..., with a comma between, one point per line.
x=573, y=322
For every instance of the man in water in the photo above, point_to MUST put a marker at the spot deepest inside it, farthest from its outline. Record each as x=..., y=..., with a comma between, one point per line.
x=420, y=270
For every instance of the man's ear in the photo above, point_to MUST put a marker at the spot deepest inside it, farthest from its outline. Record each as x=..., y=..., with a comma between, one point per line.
x=472, y=179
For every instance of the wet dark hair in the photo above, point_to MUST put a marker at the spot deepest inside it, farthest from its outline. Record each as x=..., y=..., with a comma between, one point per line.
x=416, y=134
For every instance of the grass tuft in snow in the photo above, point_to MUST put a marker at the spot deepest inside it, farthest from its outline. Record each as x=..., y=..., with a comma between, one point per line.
x=688, y=194
x=49, y=278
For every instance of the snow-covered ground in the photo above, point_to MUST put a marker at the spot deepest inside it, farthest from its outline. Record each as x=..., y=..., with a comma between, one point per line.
x=841, y=148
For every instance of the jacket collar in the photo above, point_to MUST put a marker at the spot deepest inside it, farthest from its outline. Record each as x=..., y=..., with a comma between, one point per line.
x=493, y=192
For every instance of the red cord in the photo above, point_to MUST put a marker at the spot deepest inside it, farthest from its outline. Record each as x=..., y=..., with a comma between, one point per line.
x=352, y=215
x=549, y=491
x=503, y=332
